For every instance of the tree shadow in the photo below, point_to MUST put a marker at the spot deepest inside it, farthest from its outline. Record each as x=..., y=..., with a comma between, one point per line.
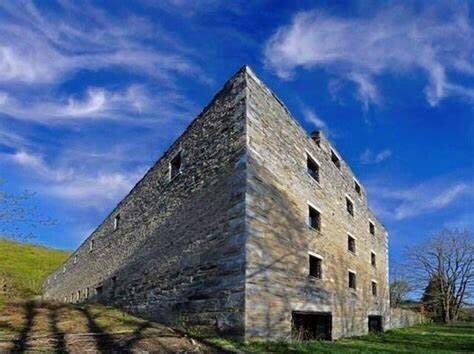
x=59, y=339
x=21, y=343
x=105, y=342
x=136, y=337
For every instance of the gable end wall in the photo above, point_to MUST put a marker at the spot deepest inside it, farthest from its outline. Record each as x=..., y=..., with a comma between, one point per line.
x=178, y=255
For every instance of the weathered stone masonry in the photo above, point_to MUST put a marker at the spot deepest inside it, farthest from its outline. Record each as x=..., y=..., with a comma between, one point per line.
x=178, y=253
x=226, y=242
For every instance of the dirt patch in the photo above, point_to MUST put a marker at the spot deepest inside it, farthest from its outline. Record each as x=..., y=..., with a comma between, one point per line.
x=44, y=326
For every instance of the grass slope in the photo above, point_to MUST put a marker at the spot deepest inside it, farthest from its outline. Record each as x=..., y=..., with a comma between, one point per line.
x=25, y=266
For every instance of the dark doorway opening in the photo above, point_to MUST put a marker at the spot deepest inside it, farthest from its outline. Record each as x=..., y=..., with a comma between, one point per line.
x=311, y=325
x=375, y=324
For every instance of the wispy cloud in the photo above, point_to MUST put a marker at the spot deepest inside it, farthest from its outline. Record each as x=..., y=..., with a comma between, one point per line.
x=38, y=47
x=311, y=117
x=98, y=188
x=97, y=103
x=397, y=39
x=399, y=203
x=370, y=157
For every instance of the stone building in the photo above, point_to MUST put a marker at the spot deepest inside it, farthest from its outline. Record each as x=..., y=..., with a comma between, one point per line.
x=247, y=225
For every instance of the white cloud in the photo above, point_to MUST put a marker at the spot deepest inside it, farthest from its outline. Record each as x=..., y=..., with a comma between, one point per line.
x=36, y=164
x=369, y=157
x=92, y=189
x=39, y=47
x=102, y=189
x=311, y=117
x=367, y=92
x=415, y=205
x=400, y=40
x=98, y=103
x=399, y=203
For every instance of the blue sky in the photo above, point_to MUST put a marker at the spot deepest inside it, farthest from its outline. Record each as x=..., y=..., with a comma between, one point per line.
x=92, y=94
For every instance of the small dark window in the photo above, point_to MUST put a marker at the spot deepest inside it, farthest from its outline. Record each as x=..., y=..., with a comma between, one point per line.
x=92, y=245
x=352, y=280
x=371, y=228
x=175, y=166
x=374, y=288
x=313, y=168
x=335, y=159
x=114, y=281
x=373, y=260
x=99, y=290
x=315, y=267
x=350, y=206
x=351, y=244
x=314, y=218
x=357, y=188
x=116, y=222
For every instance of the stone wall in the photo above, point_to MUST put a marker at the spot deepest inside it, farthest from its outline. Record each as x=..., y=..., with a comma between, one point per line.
x=178, y=253
x=278, y=237
x=226, y=242
x=405, y=318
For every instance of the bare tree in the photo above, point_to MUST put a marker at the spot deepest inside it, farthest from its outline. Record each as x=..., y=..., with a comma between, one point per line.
x=18, y=216
x=399, y=290
x=399, y=285
x=447, y=257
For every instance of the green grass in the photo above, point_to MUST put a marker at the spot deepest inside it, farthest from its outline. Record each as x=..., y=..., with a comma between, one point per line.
x=25, y=266
x=430, y=338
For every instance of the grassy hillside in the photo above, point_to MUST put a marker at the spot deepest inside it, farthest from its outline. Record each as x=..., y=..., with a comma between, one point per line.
x=23, y=267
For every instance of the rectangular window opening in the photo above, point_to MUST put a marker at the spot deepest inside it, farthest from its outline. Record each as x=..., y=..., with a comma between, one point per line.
x=175, y=166
x=335, y=159
x=349, y=206
x=91, y=245
x=75, y=259
x=313, y=168
x=374, y=288
x=357, y=188
x=311, y=326
x=116, y=222
x=352, y=280
x=351, y=244
x=373, y=259
x=314, y=218
x=371, y=228
x=315, y=267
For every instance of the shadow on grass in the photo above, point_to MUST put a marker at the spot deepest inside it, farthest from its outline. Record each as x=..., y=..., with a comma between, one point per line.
x=21, y=343
x=104, y=341
x=60, y=342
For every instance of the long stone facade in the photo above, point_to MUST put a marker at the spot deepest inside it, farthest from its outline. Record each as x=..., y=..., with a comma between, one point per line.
x=247, y=225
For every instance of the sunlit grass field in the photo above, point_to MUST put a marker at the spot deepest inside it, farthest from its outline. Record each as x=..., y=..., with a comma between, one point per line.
x=24, y=267
x=429, y=338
